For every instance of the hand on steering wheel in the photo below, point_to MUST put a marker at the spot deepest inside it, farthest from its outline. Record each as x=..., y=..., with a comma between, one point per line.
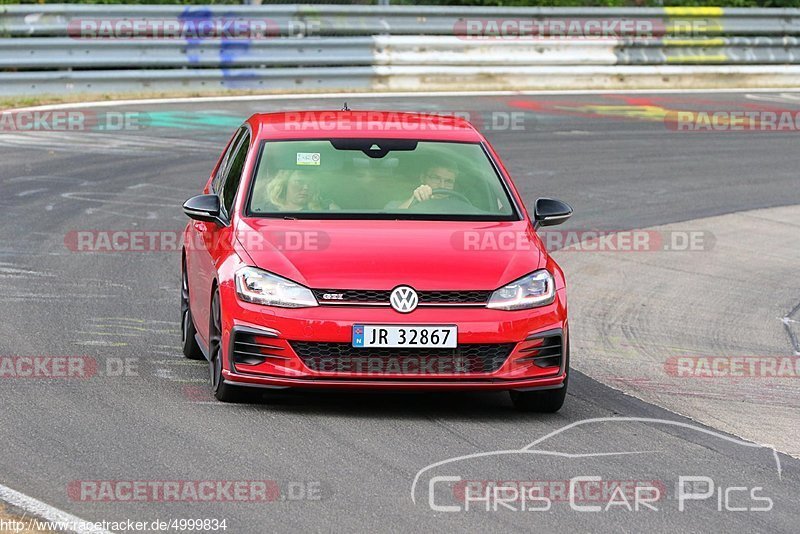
x=425, y=192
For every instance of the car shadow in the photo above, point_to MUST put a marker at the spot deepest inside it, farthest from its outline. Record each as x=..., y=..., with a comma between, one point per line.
x=398, y=405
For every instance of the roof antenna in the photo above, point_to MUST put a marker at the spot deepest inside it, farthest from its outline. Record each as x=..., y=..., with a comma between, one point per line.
x=345, y=108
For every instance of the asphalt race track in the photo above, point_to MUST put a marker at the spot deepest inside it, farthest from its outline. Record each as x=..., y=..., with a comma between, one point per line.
x=335, y=461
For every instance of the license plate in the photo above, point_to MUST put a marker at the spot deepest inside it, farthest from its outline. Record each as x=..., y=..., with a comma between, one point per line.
x=407, y=336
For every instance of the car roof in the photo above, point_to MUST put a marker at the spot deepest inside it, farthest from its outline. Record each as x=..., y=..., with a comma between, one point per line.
x=371, y=124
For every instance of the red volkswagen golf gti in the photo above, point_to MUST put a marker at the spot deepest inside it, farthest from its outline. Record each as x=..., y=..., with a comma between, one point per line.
x=343, y=249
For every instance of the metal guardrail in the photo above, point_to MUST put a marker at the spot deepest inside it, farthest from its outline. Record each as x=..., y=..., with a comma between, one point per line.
x=398, y=78
x=47, y=48
x=61, y=52
x=435, y=50
x=53, y=19
x=194, y=80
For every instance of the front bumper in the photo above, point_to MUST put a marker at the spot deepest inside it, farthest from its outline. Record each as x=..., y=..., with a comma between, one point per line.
x=284, y=368
x=554, y=382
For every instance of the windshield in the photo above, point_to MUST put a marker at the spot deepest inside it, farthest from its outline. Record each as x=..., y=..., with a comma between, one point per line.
x=378, y=178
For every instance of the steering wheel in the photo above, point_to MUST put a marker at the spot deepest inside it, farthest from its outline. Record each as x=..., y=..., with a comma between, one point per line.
x=445, y=192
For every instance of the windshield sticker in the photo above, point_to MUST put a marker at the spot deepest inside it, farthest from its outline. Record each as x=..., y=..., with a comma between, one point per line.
x=308, y=158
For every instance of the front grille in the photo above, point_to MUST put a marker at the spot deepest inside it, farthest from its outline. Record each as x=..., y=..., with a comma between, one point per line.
x=351, y=296
x=455, y=297
x=379, y=296
x=344, y=358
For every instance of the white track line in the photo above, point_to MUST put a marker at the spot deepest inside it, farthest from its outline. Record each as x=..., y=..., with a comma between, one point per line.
x=406, y=94
x=45, y=511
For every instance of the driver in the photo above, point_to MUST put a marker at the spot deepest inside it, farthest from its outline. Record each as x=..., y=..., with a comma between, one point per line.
x=440, y=175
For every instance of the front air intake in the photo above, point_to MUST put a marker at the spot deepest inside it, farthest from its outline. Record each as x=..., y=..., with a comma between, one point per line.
x=251, y=347
x=544, y=349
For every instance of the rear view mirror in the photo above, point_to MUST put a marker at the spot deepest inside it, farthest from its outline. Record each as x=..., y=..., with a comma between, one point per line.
x=204, y=208
x=550, y=212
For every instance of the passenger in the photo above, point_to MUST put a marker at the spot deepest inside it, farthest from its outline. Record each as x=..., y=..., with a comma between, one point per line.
x=292, y=190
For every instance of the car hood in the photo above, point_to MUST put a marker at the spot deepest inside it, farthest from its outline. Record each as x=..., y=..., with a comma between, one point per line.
x=361, y=254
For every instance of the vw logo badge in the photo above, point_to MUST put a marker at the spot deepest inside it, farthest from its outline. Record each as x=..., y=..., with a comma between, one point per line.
x=404, y=299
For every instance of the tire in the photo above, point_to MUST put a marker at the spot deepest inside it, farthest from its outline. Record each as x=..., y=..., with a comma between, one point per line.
x=544, y=401
x=190, y=347
x=222, y=391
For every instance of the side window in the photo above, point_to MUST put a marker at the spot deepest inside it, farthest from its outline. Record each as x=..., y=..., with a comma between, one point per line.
x=233, y=176
x=216, y=183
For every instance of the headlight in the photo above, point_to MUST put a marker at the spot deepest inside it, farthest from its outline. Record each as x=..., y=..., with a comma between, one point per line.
x=261, y=287
x=535, y=289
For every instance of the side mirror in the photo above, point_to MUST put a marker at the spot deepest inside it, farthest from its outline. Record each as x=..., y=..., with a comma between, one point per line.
x=204, y=208
x=550, y=212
